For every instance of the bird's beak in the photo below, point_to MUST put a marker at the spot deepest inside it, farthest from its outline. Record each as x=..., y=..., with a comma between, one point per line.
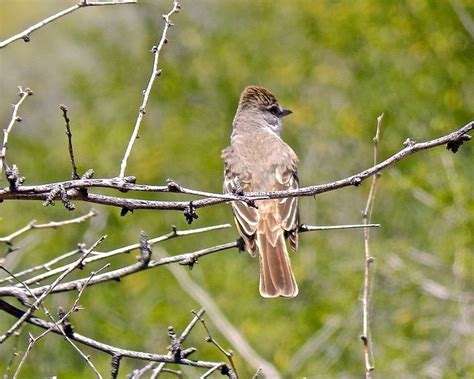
x=285, y=112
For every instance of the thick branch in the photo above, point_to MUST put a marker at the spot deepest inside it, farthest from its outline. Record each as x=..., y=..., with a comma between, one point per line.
x=41, y=192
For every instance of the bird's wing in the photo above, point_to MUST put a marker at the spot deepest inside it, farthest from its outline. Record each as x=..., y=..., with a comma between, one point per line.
x=246, y=218
x=287, y=179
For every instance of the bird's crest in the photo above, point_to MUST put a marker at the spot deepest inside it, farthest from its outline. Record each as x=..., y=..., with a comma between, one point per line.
x=257, y=96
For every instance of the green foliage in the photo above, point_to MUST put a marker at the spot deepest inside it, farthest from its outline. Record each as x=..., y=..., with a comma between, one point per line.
x=337, y=65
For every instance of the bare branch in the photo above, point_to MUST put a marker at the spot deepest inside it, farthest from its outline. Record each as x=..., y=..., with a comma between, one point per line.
x=146, y=94
x=451, y=140
x=63, y=331
x=226, y=328
x=25, y=35
x=45, y=266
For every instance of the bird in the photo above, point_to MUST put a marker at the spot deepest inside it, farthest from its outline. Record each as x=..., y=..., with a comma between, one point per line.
x=258, y=160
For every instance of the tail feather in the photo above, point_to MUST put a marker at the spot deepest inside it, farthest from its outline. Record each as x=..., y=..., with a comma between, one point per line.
x=276, y=275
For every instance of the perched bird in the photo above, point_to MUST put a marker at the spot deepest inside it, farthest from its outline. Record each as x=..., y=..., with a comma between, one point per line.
x=258, y=160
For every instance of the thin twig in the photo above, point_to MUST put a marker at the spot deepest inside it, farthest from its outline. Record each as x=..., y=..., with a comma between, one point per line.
x=47, y=291
x=67, y=120
x=146, y=94
x=365, y=337
x=25, y=35
x=6, y=132
x=313, y=228
x=53, y=224
x=41, y=192
x=209, y=372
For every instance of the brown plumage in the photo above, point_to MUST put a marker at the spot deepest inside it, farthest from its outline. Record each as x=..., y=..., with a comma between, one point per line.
x=259, y=160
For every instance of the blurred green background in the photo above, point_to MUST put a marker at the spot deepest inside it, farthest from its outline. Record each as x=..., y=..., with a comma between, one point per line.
x=337, y=65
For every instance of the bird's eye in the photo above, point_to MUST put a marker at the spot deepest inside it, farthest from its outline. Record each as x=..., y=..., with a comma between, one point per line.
x=275, y=109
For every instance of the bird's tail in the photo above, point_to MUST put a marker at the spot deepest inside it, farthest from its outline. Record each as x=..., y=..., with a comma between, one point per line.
x=276, y=275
